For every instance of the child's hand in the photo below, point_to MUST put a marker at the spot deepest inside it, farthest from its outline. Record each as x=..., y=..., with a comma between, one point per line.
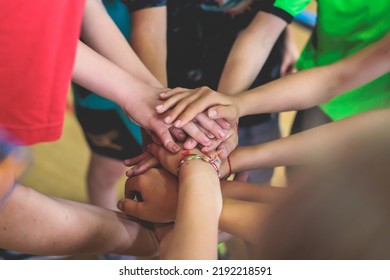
x=151, y=196
x=168, y=160
x=140, y=164
x=171, y=161
x=187, y=104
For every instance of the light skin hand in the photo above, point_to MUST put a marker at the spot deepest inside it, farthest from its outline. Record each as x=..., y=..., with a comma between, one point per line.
x=189, y=103
x=168, y=160
x=140, y=164
x=139, y=107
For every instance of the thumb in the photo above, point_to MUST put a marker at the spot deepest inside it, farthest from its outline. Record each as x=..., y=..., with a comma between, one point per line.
x=130, y=207
x=227, y=112
x=162, y=132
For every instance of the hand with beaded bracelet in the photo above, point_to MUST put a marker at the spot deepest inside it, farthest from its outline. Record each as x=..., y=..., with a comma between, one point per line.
x=173, y=162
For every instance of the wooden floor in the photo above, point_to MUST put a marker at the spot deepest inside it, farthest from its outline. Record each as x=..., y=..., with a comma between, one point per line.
x=59, y=168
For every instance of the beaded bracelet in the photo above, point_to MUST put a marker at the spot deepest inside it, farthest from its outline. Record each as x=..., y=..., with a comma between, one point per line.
x=213, y=161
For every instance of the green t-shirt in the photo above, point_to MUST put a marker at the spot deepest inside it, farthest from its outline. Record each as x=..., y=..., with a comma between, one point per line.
x=343, y=28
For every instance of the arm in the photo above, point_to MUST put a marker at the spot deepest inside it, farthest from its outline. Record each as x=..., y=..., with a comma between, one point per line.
x=364, y=136
x=38, y=224
x=149, y=39
x=110, y=43
x=243, y=203
x=243, y=219
x=302, y=90
x=195, y=234
x=318, y=85
x=249, y=52
x=123, y=78
x=199, y=203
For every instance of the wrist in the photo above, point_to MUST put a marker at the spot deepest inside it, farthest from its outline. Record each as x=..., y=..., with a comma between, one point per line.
x=194, y=159
x=239, y=100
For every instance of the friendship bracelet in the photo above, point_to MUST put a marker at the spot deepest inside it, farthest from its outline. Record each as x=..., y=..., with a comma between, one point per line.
x=213, y=161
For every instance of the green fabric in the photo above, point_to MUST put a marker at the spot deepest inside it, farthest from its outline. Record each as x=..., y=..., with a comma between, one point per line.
x=343, y=28
x=293, y=7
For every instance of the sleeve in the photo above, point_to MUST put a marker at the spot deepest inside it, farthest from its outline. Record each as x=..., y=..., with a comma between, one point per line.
x=134, y=5
x=286, y=9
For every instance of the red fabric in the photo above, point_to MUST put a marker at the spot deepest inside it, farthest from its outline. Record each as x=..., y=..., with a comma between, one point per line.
x=38, y=42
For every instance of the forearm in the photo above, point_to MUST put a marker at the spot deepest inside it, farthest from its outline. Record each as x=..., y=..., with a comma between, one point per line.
x=112, y=83
x=243, y=219
x=250, y=192
x=367, y=133
x=298, y=91
x=195, y=234
x=148, y=39
x=314, y=86
x=249, y=53
x=110, y=43
x=37, y=224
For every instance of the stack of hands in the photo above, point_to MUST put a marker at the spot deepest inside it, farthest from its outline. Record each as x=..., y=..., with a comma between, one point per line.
x=153, y=195
x=199, y=118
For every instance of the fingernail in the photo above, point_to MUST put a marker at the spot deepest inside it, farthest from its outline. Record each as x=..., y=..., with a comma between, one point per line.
x=221, y=133
x=209, y=135
x=175, y=148
x=159, y=107
x=206, y=149
x=177, y=123
x=212, y=113
x=163, y=94
x=206, y=140
x=181, y=135
x=167, y=119
x=120, y=206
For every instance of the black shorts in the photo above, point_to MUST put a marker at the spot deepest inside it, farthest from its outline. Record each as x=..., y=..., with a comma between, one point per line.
x=107, y=133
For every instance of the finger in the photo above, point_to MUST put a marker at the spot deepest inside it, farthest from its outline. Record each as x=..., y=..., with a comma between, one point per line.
x=227, y=146
x=131, y=207
x=171, y=101
x=155, y=139
x=143, y=166
x=193, y=130
x=157, y=151
x=214, y=144
x=162, y=132
x=135, y=160
x=179, y=104
x=211, y=126
x=223, y=123
x=179, y=134
x=190, y=143
x=190, y=110
x=227, y=112
x=172, y=92
x=206, y=132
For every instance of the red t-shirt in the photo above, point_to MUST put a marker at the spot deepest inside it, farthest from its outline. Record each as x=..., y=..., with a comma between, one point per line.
x=38, y=42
